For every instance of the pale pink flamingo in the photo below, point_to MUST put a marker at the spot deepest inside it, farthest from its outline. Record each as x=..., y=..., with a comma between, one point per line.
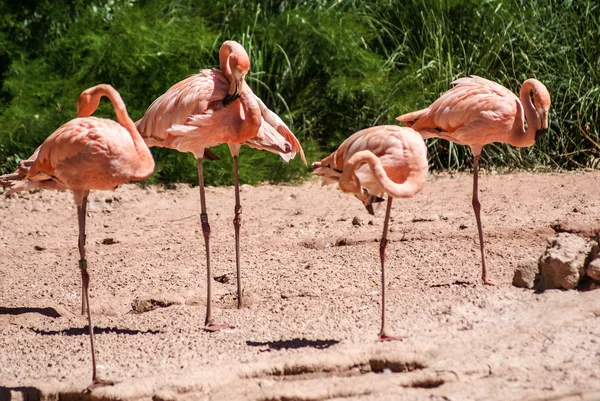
x=379, y=160
x=476, y=112
x=210, y=108
x=87, y=153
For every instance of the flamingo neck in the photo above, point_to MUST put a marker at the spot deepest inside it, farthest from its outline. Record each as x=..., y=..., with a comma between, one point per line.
x=526, y=137
x=349, y=181
x=145, y=157
x=252, y=115
x=117, y=102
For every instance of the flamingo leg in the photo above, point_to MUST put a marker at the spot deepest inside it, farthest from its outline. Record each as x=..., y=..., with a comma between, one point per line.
x=208, y=322
x=85, y=281
x=81, y=215
x=382, y=254
x=477, y=210
x=237, y=221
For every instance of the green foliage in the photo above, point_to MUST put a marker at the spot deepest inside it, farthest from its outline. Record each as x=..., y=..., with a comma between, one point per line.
x=329, y=68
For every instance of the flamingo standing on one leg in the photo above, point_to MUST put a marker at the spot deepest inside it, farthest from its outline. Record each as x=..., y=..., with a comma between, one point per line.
x=87, y=153
x=377, y=160
x=210, y=108
x=476, y=112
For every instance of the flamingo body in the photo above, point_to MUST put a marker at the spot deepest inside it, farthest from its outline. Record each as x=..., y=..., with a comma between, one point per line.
x=401, y=153
x=89, y=153
x=477, y=111
x=192, y=116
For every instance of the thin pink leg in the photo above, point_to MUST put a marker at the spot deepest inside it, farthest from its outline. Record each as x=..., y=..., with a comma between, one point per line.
x=85, y=281
x=237, y=222
x=82, y=262
x=477, y=210
x=382, y=254
x=208, y=322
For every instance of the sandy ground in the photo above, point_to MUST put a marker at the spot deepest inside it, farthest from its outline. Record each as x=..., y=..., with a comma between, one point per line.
x=312, y=287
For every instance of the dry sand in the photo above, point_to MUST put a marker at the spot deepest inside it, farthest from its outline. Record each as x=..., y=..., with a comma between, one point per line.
x=312, y=287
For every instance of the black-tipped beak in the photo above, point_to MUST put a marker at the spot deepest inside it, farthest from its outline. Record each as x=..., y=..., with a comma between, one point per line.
x=369, y=204
x=539, y=133
x=315, y=165
x=231, y=97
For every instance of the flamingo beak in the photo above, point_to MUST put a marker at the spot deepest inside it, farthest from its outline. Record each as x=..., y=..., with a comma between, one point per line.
x=368, y=200
x=232, y=97
x=544, y=125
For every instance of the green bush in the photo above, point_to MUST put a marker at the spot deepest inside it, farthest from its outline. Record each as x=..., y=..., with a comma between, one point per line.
x=329, y=68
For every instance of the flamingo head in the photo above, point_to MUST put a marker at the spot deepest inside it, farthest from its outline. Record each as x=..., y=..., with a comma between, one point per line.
x=324, y=170
x=368, y=202
x=541, y=102
x=88, y=101
x=235, y=64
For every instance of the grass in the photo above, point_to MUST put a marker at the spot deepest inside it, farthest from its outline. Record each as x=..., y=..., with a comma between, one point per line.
x=329, y=68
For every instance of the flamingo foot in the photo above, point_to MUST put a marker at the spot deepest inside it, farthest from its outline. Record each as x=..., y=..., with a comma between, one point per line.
x=384, y=337
x=98, y=383
x=213, y=327
x=490, y=281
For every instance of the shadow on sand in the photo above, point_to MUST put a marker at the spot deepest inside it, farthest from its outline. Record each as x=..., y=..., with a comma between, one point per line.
x=457, y=282
x=84, y=331
x=20, y=393
x=50, y=312
x=293, y=343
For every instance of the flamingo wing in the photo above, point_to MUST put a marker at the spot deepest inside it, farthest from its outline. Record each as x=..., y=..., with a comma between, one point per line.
x=184, y=107
x=10, y=180
x=275, y=136
x=379, y=140
x=269, y=139
x=469, y=100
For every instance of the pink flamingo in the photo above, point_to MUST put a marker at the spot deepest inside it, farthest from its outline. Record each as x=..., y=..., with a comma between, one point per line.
x=476, y=112
x=87, y=153
x=210, y=108
x=377, y=160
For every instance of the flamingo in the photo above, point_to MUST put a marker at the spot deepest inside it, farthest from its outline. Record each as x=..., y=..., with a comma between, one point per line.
x=87, y=153
x=377, y=160
x=476, y=112
x=210, y=108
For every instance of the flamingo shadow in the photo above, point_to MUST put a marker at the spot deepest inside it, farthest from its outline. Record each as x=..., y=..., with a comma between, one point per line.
x=50, y=312
x=20, y=393
x=81, y=331
x=293, y=343
x=457, y=282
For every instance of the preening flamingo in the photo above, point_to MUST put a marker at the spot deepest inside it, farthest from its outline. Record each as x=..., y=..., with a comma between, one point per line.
x=476, y=112
x=377, y=160
x=87, y=153
x=210, y=108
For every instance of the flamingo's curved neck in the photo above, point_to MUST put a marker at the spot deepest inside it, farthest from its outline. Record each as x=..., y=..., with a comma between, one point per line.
x=521, y=136
x=117, y=103
x=251, y=108
x=239, y=89
x=349, y=181
x=123, y=118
